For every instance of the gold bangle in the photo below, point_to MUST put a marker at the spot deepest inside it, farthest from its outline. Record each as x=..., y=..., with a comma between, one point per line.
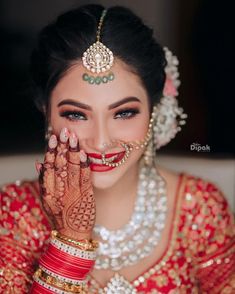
x=52, y=281
x=85, y=244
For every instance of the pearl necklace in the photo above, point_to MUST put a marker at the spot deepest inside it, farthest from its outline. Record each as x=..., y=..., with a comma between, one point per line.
x=137, y=239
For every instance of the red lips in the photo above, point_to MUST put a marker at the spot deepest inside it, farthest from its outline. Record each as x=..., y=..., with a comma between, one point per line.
x=99, y=156
x=102, y=167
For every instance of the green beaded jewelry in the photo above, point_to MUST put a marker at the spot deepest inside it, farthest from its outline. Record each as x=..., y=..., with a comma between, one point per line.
x=98, y=80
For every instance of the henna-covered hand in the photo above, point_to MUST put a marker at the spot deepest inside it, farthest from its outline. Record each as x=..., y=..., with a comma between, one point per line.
x=66, y=190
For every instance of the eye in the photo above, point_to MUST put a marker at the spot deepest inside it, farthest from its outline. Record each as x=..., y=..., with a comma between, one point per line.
x=127, y=113
x=73, y=115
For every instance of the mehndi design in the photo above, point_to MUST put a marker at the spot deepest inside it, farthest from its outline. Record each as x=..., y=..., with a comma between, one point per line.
x=67, y=194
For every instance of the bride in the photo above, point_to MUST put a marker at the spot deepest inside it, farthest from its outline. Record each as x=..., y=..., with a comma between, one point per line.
x=103, y=216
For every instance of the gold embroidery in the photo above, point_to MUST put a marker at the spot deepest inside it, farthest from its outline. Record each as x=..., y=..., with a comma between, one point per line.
x=219, y=259
x=199, y=216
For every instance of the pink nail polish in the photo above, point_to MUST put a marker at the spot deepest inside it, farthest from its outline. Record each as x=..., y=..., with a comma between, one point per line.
x=83, y=156
x=52, y=141
x=64, y=135
x=73, y=141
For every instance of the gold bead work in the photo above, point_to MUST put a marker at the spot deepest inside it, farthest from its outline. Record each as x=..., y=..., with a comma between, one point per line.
x=57, y=283
x=85, y=244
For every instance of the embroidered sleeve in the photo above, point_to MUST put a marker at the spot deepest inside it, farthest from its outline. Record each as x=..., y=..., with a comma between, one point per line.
x=23, y=234
x=213, y=222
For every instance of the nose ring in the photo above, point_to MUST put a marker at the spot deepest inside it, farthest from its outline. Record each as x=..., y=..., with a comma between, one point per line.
x=127, y=148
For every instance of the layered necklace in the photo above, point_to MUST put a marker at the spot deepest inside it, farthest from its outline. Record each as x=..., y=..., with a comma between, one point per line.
x=138, y=238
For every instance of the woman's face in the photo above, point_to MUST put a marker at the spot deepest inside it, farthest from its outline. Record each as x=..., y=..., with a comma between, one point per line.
x=101, y=115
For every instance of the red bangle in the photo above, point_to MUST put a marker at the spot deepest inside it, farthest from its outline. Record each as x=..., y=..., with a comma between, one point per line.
x=77, y=275
x=66, y=265
x=57, y=256
x=38, y=289
x=68, y=257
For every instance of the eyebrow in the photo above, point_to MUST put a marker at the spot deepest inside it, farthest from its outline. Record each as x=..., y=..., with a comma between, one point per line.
x=87, y=107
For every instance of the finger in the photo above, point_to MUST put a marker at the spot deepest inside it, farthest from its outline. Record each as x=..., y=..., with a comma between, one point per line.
x=73, y=163
x=61, y=166
x=46, y=183
x=47, y=174
x=38, y=166
x=49, y=161
x=49, y=158
x=85, y=172
x=40, y=178
x=73, y=142
x=85, y=162
x=88, y=208
x=62, y=148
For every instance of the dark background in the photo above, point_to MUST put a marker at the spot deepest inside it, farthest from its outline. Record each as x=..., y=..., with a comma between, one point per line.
x=200, y=33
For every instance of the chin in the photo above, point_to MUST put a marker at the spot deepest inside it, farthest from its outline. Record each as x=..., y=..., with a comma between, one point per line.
x=105, y=180
x=108, y=179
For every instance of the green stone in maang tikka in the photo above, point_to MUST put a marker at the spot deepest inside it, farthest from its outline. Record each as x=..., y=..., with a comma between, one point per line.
x=98, y=80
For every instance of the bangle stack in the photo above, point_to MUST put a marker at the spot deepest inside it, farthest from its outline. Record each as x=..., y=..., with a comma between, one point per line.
x=63, y=268
x=82, y=244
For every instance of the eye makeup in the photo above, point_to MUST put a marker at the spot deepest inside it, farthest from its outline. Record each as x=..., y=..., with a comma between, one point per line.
x=75, y=115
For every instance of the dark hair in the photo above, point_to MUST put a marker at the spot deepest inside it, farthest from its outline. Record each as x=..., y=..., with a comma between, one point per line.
x=63, y=42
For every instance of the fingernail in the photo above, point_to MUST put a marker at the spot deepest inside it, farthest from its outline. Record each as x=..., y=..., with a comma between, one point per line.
x=64, y=135
x=52, y=141
x=73, y=141
x=83, y=156
x=38, y=166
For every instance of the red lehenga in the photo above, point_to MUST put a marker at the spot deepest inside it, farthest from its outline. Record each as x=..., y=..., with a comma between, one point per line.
x=200, y=257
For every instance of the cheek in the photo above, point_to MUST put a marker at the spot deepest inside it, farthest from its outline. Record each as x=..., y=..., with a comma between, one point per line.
x=131, y=130
x=55, y=122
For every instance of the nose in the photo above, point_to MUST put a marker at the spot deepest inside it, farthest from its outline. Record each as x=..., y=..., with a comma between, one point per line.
x=102, y=140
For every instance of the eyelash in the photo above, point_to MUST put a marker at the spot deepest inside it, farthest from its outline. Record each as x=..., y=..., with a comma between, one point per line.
x=70, y=115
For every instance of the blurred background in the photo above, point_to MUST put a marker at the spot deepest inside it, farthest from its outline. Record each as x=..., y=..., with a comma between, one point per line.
x=200, y=33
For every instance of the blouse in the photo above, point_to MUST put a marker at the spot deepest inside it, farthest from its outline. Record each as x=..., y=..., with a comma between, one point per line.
x=199, y=258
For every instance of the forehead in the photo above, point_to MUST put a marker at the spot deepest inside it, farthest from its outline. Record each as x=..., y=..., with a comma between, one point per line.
x=72, y=86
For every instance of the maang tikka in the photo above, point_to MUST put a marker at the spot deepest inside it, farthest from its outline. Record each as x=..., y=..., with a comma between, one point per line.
x=98, y=59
